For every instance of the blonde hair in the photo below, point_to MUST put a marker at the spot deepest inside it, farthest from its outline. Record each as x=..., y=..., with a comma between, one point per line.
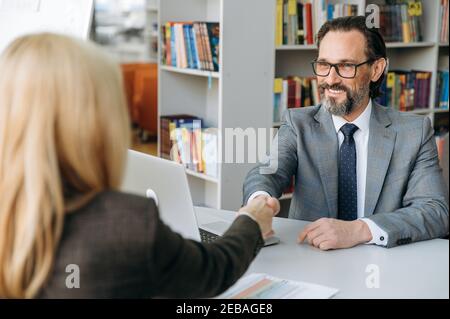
x=64, y=132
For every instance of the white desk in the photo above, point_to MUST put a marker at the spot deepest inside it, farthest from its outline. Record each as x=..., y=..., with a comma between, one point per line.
x=417, y=270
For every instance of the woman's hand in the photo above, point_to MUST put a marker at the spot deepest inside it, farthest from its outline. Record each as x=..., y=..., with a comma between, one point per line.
x=263, y=209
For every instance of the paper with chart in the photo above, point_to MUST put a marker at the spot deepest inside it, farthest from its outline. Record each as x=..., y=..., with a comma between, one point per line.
x=19, y=17
x=263, y=286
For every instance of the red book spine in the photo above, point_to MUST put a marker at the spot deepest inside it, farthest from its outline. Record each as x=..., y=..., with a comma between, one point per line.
x=309, y=28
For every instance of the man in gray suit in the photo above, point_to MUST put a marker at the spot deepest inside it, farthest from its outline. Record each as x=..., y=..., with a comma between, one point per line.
x=363, y=173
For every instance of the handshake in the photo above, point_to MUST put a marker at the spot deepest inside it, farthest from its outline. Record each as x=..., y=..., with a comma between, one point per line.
x=324, y=233
x=262, y=209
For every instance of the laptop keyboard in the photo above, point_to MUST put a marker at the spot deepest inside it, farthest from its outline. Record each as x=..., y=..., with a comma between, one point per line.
x=207, y=237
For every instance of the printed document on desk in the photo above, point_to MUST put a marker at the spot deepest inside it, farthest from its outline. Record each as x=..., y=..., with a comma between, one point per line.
x=263, y=286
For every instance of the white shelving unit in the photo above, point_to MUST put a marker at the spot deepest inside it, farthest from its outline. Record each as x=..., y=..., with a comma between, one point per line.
x=428, y=55
x=206, y=74
x=238, y=96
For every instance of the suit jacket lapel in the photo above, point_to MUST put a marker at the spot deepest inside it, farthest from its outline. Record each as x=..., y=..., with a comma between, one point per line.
x=325, y=149
x=380, y=148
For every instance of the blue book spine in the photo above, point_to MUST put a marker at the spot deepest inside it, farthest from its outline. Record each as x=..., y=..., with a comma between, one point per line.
x=187, y=45
x=444, y=102
x=438, y=93
x=276, y=107
x=213, y=33
x=382, y=99
x=173, y=48
x=192, y=38
x=330, y=11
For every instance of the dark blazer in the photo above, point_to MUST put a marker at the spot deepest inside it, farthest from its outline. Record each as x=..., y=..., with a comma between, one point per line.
x=124, y=250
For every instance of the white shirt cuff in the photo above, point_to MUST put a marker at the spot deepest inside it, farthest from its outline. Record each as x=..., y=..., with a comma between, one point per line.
x=379, y=236
x=257, y=193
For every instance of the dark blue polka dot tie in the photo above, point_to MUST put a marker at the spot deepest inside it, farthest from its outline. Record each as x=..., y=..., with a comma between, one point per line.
x=348, y=205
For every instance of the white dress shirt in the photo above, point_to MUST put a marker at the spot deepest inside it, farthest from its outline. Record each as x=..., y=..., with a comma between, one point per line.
x=361, y=137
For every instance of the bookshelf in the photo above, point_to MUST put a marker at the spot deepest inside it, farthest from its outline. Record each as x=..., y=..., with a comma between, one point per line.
x=430, y=54
x=203, y=73
x=239, y=95
x=391, y=45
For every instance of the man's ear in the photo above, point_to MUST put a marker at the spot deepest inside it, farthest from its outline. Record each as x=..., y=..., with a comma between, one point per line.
x=378, y=68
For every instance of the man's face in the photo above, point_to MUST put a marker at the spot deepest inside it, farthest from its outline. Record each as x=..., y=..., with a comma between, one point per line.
x=341, y=96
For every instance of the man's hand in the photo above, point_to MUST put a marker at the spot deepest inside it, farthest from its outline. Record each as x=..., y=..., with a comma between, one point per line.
x=329, y=233
x=272, y=202
x=263, y=208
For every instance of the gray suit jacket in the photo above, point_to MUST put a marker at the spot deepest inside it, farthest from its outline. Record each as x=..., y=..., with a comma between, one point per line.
x=405, y=192
x=123, y=250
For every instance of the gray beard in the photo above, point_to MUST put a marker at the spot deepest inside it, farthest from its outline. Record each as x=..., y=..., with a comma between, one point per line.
x=346, y=107
x=338, y=109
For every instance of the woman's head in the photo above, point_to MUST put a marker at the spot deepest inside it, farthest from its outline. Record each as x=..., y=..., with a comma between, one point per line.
x=64, y=132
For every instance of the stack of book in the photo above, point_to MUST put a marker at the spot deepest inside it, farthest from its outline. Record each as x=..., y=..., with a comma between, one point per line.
x=297, y=21
x=294, y=92
x=167, y=124
x=442, y=90
x=185, y=141
x=400, y=21
x=193, y=45
x=406, y=90
x=443, y=21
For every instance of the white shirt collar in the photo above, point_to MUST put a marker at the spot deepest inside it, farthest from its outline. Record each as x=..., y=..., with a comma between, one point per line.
x=362, y=121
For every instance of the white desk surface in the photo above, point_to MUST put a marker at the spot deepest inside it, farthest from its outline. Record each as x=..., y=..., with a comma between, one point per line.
x=417, y=270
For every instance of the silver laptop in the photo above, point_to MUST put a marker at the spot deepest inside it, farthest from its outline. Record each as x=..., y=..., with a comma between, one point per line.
x=166, y=182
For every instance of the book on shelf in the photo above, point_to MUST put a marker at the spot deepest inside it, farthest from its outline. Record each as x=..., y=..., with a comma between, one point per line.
x=442, y=90
x=279, y=23
x=406, y=90
x=297, y=21
x=210, y=140
x=401, y=21
x=277, y=91
x=443, y=21
x=167, y=124
x=185, y=141
x=191, y=45
x=294, y=92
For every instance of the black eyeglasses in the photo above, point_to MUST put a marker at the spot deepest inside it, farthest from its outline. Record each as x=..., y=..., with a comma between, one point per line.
x=344, y=69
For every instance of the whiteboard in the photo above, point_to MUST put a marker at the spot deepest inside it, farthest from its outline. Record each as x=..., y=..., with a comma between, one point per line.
x=19, y=17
